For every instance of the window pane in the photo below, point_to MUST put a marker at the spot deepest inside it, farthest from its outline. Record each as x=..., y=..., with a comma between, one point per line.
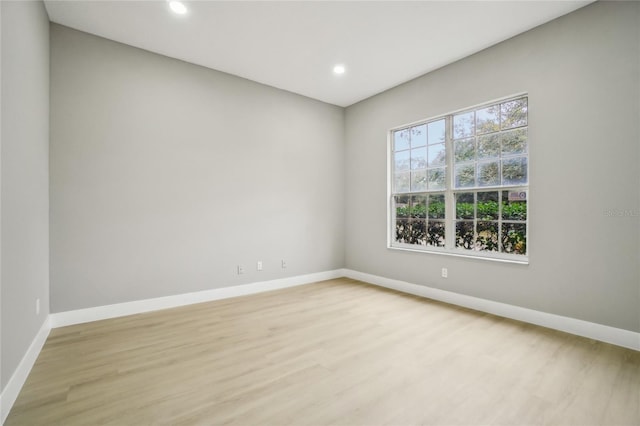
x=401, y=140
x=463, y=125
x=514, y=205
x=465, y=205
x=419, y=206
x=436, y=206
x=514, y=171
x=487, y=239
x=465, y=150
x=411, y=231
x=419, y=136
x=401, y=161
x=487, y=208
x=436, y=155
x=418, y=180
x=514, y=238
x=464, y=234
x=436, y=178
x=489, y=173
x=436, y=131
x=418, y=233
x=489, y=146
x=435, y=233
x=401, y=182
x=514, y=142
x=487, y=119
x=418, y=158
x=513, y=113
x=465, y=175
x=402, y=206
x=403, y=231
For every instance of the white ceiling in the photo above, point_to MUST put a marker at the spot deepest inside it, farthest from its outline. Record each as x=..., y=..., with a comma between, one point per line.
x=293, y=45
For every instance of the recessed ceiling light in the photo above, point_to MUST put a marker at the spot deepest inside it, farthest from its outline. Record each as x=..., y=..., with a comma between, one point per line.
x=178, y=7
x=339, y=69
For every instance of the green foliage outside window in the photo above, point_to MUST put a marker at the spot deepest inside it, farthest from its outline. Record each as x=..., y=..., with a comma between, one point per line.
x=486, y=150
x=412, y=228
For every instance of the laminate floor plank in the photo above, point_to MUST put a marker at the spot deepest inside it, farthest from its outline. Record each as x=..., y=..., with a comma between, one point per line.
x=338, y=352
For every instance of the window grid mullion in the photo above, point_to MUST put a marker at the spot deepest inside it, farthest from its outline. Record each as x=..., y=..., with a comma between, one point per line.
x=451, y=192
x=450, y=206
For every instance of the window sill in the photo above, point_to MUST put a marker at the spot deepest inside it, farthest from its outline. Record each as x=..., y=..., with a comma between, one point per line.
x=519, y=260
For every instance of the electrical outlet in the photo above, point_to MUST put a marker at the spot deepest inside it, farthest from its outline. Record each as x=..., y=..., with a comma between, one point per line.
x=259, y=265
x=240, y=269
x=284, y=264
x=37, y=306
x=445, y=273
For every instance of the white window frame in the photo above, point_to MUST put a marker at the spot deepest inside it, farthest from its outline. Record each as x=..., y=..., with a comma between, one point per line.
x=450, y=209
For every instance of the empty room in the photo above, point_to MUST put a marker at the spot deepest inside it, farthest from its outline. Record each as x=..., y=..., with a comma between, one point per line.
x=320, y=212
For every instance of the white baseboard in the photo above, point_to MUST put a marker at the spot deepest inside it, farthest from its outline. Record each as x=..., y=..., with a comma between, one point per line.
x=19, y=377
x=616, y=336
x=17, y=380
x=80, y=316
x=604, y=333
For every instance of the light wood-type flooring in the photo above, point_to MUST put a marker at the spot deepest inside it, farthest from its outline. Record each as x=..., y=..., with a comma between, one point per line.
x=335, y=352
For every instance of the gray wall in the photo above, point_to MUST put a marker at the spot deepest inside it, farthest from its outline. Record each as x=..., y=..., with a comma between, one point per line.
x=582, y=75
x=165, y=176
x=24, y=179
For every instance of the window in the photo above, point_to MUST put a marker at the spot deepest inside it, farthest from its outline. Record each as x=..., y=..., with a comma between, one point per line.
x=459, y=183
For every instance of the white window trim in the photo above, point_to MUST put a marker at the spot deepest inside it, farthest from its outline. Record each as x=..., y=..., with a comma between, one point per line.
x=450, y=200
